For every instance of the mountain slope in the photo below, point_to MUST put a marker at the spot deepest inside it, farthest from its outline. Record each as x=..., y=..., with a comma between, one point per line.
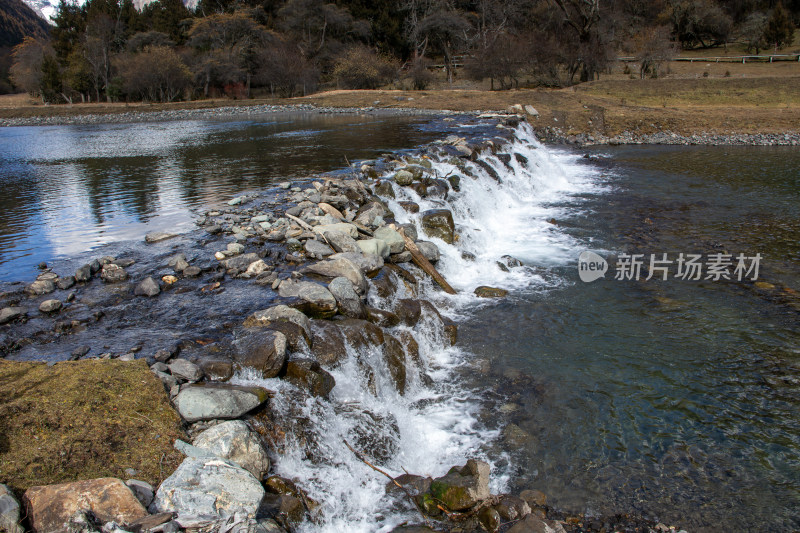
x=18, y=21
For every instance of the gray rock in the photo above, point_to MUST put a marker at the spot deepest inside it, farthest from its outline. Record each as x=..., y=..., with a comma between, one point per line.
x=367, y=263
x=40, y=286
x=235, y=248
x=147, y=287
x=168, y=380
x=534, y=524
x=50, y=306
x=236, y=442
x=212, y=486
x=9, y=511
x=7, y=314
x=263, y=350
x=429, y=250
x=393, y=239
x=142, y=490
x=278, y=313
x=439, y=223
x=177, y=259
x=374, y=247
x=341, y=267
x=463, y=487
x=342, y=227
x=158, y=236
x=206, y=402
x=112, y=273
x=317, y=249
x=404, y=178
x=410, y=231
x=65, y=283
x=185, y=370
x=529, y=109
x=404, y=257
x=341, y=242
x=240, y=262
x=320, y=303
x=84, y=273
x=346, y=297
x=192, y=271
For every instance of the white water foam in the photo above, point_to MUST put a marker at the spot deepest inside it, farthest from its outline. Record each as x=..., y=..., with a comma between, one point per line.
x=435, y=424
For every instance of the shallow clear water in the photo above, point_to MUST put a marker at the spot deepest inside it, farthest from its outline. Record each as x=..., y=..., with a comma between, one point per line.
x=68, y=189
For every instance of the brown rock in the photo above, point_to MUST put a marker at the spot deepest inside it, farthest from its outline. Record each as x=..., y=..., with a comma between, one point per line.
x=409, y=311
x=262, y=349
x=360, y=333
x=384, y=319
x=107, y=498
x=395, y=358
x=328, y=345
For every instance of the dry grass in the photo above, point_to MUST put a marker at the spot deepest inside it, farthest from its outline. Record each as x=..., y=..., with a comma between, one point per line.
x=84, y=420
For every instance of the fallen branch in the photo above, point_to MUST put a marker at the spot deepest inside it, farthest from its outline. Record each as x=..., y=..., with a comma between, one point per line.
x=361, y=458
x=422, y=262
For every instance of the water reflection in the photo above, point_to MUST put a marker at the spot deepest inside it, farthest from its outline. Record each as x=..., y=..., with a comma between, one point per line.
x=68, y=189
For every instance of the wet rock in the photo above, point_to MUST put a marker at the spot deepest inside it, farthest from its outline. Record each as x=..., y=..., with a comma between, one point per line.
x=240, y=262
x=317, y=249
x=429, y=250
x=158, y=236
x=220, y=401
x=9, y=512
x=288, y=511
x=367, y=263
x=534, y=498
x=7, y=314
x=318, y=302
x=490, y=519
x=511, y=262
x=185, y=370
x=404, y=178
x=411, y=207
x=328, y=343
x=395, y=358
x=371, y=214
x=147, y=287
x=84, y=273
x=142, y=490
x=217, y=369
x=347, y=299
x=360, y=333
x=307, y=374
x=40, y=287
x=438, y=189
x=439, y=223
x=455, y=182
x=65, y=283
x=464, y=487
x=112, y=273
x=278, y=313
x=393, y=239
x=490, y=292
x=209, y=486
x=108, y=499
x=409, y=343
x=512, y=508
x=296, y=338
x=409, y=311
x=263, y=350
x=451, y=330
x=384, y=319
x=413, y=529
x=384, y=188
x=340, y=267
x=236, y=442
x=50, y=306
x=534, y=524
x=178, y=262
x=413, y=484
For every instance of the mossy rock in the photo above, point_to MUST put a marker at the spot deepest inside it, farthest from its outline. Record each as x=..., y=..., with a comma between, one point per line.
x=490, y=292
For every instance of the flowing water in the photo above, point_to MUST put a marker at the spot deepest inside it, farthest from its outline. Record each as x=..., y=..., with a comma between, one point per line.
x=674, y=399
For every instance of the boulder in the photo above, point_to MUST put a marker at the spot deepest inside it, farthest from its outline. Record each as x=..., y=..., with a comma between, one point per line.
x=384, y=188
x=9, y=512
x=147, y=287
x=240, y=262
x=512, y=508
x=360, y=333
x=339, y=241
x=40, y=287
x=409, y=311
x=429, y=250
x=340, y=267
x=342, y=227
x=534, y=524
x=158, y=236
x=7, y=314
x=439, y=223
x=393, y=239
x=529, y=109
x=490, y=292
x=278, y=313
x=65, y=283
x=367, y=263
x=318, y=302
x=222, y=401
x=307, y=374
x=347, y=299
x=185, y=370
x=329, y=346
x=371, y=214
x=384, y=319
x=261, y=349
x=404, y=178
x=411, y=207
x=462, y=488
x=142, y=490
x=209, y=486
x=109, y=499
x=375, y=247
x=317, y=249
x=50, y=306
x=112, y=273
x=216, y=369
x=235, y=441
x=296, y=338
x=84, y=273
x=395, y=358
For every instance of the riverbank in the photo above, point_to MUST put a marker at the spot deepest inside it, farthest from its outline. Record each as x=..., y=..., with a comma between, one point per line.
x=759, y=111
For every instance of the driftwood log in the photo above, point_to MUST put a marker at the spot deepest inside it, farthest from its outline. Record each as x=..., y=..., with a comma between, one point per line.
x=422, y=262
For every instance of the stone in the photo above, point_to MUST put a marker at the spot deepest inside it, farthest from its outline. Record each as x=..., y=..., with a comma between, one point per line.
x=429, y=250
x=185, y=370
x=222, y=401
x=50, y=306
x=404, y=178
x=142, y=490
x=439, y=223
x=178, y=262
x=192, y=271
x=147, y=287
x=158, y=236
x=340, y=267
x=512, y=508
x=342, y=227
x=9, y=512
x=341, y=242
x=411, y=207
x=235, y=248
x=7, y=314
x=288, y=511
x=490, y=519
x=317, y=249
x=463, y=488
x=308, y=374
x=235, y=441
x=318, y=302
x=278, y=313
x=216, y=369
x=39, y=287
x=347, y=299
x=490, y=292
x=393, y=239
x=240, y=262
x=360, y=333
x=112, y=273
x=65, y=283
x=256, y=268
x=108, y=499
x=534, y=498
x=534, y=524
x=151, y=523
x=384, y=319
x=329, y=347
x=209, y=486
x=409, y=311
x=375, y=247
x=384, y=188
x=263, y=350
x=84, y=273
x=395, y=358
x=367, y=263
x=529, y=109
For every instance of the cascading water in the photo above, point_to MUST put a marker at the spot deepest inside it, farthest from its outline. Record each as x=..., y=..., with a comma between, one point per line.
x=435, y=423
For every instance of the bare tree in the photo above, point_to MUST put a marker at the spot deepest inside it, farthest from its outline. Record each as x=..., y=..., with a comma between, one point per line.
x=156, y=74
x=448, y=31
x=591, y=44
x=651, y=47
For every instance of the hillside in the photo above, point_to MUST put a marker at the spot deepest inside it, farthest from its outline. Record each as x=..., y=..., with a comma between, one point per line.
x=18, y=21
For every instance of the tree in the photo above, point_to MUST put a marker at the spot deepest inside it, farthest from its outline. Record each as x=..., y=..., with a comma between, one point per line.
x=700, y=22
x=155, y=74
x=780, y=29
x=26, y=71
x=361, y=68
x=140, y=41
x=501, y=59
x=447, y=31
x=590, y=46
x=284, y=69
x=752, y=32
x=651, y=47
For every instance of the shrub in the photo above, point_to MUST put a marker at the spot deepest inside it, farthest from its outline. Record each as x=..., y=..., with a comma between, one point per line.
x=361, y=68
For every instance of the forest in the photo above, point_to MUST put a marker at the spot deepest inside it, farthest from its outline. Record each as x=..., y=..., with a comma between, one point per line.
x=108, y=50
